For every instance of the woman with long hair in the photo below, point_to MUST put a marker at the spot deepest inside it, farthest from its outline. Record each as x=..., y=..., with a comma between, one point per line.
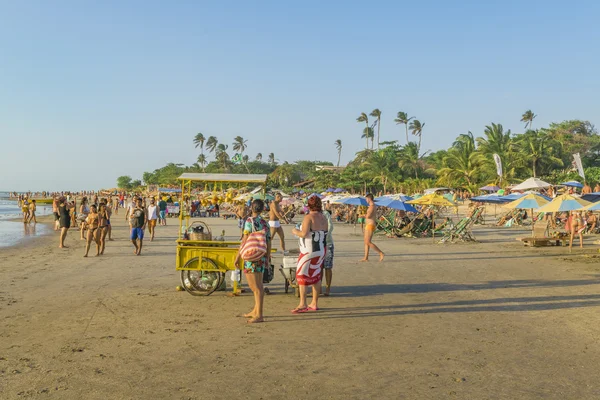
x=312, y=234
x=253, y=270
x=84, y=210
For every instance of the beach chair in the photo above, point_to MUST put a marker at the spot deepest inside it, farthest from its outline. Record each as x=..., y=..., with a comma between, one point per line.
x=540, y=236
x=462, y=230
x=387, y=223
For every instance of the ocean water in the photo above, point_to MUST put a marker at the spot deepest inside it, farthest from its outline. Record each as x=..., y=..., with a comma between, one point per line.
x=11, y=232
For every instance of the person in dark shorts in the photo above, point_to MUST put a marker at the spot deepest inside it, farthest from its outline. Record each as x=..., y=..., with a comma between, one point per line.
x=64, y=220
x=162, y=212
x=137, y=221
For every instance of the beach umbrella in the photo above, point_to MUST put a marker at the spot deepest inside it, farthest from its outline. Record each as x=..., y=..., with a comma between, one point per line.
x=592, y=207
x=263, y=196
x=490, y=188
x=400, y=196
x=432, y=199
x=396, y=205
x=573, y=184
x=529, y=201
x=330, y=190
x=531, y=183
x=339, y=190
x=487, y=198
x=564, y=202
x=355, y=201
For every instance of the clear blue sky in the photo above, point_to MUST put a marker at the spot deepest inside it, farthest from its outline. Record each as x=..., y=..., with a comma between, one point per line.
x=102, y=89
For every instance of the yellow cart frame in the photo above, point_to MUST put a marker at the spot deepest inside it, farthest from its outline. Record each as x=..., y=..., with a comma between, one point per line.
x=209, y=260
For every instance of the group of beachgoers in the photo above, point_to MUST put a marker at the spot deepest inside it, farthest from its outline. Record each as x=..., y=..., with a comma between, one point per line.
x=315, y=236
x=93, y=218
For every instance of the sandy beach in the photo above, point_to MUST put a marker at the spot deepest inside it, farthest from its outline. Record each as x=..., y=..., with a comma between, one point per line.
x=487, y=320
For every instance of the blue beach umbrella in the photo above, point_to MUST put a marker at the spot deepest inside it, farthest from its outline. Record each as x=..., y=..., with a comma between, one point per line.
x=355, y=201
x=339, y=190
x=396, y=205
x=573, y=184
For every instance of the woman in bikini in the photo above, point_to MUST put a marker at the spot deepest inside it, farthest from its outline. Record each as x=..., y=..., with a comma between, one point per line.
x=84, y=210
x=312, y=234
x=103, y=221
x=577, y=227
x=92, y=221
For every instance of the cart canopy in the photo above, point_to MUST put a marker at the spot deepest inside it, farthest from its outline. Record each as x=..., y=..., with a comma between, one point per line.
x=241, y=178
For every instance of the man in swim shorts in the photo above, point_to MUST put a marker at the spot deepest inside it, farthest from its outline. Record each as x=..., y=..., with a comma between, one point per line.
x=137, y=221
x=162, y=211
x=370, y=226
x=275, y=215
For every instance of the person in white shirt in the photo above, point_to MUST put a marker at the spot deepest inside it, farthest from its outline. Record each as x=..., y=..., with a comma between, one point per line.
x=152, y=213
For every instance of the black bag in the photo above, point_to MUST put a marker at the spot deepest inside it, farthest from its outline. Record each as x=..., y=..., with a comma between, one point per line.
x=269, y=273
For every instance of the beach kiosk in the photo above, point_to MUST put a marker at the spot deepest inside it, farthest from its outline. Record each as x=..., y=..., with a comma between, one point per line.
x=201, y=260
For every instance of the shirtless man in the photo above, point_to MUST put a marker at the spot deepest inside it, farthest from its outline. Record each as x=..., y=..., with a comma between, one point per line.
x=587, y=189
x=242, y=212
x=275, y=215
x=370, y=226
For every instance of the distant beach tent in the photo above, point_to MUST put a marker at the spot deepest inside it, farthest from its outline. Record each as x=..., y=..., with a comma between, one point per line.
x=573, y=184
x=396, y=205
x=564, y=202
x=490, y=188
x=531, y=183
x=530, y=201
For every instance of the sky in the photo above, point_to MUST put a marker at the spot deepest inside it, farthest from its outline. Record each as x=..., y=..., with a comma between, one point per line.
x=90, y=91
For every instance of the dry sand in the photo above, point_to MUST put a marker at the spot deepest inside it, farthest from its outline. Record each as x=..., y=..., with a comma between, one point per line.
x=490, y=320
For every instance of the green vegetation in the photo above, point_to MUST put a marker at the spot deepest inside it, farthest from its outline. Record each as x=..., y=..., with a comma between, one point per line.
x=545, y=152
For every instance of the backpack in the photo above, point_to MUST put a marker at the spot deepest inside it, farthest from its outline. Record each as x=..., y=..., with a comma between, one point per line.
x=255, y=246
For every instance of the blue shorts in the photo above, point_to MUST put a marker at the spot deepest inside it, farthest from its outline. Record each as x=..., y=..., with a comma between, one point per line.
x=161, y=214
x=137, y=233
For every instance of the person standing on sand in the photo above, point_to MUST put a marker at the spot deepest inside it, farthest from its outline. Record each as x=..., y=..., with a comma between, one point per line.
x=84, y=210
x=162, y=211
x=32, y=208
x=275, y=216
x=328, y=260
x=312, y=253
x=587, y=189
x=137, y=222
x=92, y=222
x=152, y=213
x=370, y=227
x=64, y=220
x=253, y=270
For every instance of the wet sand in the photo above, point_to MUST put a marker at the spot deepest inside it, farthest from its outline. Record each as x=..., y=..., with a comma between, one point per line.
x=488, y=320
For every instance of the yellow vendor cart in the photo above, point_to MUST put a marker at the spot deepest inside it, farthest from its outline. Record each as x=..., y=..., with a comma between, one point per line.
x=203, y=263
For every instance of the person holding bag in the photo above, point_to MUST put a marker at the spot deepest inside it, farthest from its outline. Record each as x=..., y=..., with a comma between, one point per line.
x=255, y=251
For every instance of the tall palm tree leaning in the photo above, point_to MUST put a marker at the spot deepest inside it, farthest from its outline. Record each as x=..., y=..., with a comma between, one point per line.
x=528, y=117
x=239, y=144
x=363, y=118
x=402, y=118
x=259, y=157
x=377, y=114
x=211, y=144
x=202, y=161
x=271, y=158
x=338, y=146
x=416, y=128
x=199, y=140
x=369, y=134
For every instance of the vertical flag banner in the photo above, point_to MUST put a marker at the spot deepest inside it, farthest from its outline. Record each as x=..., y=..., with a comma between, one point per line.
x=579, y=165
x=498, y=165
x=237, y=157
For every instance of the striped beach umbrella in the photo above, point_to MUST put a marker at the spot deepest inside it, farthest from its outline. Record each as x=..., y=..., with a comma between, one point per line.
x=564, y=202
x=530, y=201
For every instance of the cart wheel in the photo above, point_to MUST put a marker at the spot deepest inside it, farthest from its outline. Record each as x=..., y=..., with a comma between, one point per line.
x=198, y=282
x=287, y=285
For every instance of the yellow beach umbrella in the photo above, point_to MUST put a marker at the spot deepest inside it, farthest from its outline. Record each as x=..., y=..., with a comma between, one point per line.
x=432, y=199
x=564, y=202
x=530, y=201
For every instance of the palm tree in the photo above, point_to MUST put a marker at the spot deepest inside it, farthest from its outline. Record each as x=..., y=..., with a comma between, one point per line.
x=222, y=156
x=338, y=146
x=409, y=159
x=211, y=144
x=462, y=164
x=245, y=160
x=199, y=141
x=239, y=144
x=259, y=157
x=271, y=158
x=202, y=161
x=363, y=118
x=416, y=129
x=496, y=141
x=402, y=118
x=540, y=150
x=377, y=114
x=528, y=117
x=368, y=134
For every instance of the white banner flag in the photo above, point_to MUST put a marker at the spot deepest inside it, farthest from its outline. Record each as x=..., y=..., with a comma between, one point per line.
x=579, y=165
x=498, y=164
